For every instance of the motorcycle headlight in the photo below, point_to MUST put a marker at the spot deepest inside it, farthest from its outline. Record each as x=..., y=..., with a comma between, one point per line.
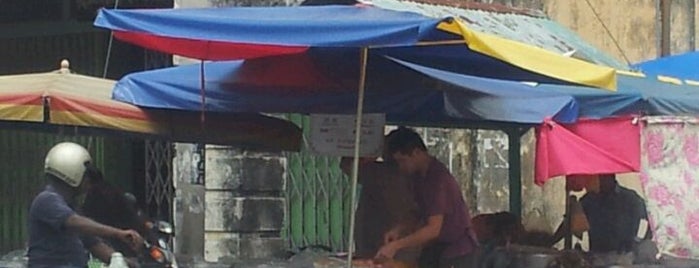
x=157, y=255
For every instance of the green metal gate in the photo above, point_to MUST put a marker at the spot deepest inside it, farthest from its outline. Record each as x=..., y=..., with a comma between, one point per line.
x=318, y=199
x=21, y=177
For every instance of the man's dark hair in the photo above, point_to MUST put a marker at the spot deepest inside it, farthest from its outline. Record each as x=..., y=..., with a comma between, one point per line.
x=93, y=173
x=404, y=140
x=611, y=177
x=55, y=181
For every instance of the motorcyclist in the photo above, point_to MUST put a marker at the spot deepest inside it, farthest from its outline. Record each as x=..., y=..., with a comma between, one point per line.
x=58, y=236
x=107, y=204
x=140, y=215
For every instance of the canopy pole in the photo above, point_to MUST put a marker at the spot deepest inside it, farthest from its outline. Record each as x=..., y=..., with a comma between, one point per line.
x=568, y=239
x=357, y=139
x=203, y=97
x=514, y=136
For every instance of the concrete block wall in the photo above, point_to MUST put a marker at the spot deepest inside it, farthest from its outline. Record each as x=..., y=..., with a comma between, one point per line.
x=245, y=205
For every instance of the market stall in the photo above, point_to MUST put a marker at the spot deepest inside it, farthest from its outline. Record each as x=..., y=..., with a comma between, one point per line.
x=407, y=43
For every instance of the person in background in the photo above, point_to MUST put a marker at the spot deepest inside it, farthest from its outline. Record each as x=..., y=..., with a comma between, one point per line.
x=58, y=236
x=613, y=215
x=447, y=238
x=385, y=200
x=107, y=204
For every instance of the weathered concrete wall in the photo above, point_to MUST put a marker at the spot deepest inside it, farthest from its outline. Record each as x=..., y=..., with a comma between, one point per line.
x=244, y=205
x=637, y=32
x=238, y=214
x=634, y=31
x=529, y=4
x=635, y=24
x=542, y=207
x=479, y=160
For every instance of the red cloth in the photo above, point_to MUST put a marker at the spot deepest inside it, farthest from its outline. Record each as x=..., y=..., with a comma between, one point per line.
x=588, y=147
x=206, y=50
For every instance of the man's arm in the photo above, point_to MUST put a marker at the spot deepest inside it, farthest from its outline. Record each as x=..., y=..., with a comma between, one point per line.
x=421, y=237
x=87, y=226
x=562, y=231
x=578, y=219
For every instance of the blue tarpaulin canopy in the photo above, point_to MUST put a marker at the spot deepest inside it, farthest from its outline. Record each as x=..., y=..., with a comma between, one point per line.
x=683, y=66
x=263, y=31
x=635, y=96
x=296, y=84
x=406, y=92
x=249, y=32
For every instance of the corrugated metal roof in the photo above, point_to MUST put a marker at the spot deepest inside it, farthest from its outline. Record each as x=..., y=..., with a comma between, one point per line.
x=528, y=27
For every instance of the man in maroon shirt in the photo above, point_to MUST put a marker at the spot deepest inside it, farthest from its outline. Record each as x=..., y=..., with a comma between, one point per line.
x=447, y=237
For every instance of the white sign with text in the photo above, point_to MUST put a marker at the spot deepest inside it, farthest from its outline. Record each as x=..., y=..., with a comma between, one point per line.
x=333, y=134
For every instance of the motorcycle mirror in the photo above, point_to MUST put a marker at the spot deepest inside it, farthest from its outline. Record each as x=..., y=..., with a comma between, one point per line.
x=162, y=243
x=164, y=227
x=130, y=198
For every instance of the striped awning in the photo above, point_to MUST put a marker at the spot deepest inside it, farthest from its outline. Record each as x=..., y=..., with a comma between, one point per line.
x=64, y=98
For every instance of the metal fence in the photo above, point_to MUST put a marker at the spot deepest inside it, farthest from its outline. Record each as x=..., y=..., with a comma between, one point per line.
x=318, y=199
x=159, y=189
x=21, y=177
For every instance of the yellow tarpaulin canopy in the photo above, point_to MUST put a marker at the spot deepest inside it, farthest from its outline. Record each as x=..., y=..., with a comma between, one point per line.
x=535, y=59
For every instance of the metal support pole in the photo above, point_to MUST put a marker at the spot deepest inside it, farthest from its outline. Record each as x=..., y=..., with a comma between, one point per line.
x=568, y=242
x=357, y=141
x=514, y=136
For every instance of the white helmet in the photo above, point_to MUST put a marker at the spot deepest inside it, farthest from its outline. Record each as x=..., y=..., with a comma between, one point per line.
x=67, y=161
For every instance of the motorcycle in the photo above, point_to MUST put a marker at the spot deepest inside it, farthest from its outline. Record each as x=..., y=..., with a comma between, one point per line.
x=157, y=251
x=157, y=247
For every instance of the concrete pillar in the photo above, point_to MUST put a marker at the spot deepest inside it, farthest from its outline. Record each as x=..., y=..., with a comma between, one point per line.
x=188, y=204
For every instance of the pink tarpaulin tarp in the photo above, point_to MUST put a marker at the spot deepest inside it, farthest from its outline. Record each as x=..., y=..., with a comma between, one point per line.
x=588, y=147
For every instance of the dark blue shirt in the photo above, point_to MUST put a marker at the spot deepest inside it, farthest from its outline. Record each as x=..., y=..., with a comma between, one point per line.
x=50, y=243
x=614, y=219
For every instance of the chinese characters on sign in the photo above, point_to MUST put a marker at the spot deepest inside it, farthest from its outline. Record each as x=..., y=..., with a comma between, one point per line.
x=334, y=135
